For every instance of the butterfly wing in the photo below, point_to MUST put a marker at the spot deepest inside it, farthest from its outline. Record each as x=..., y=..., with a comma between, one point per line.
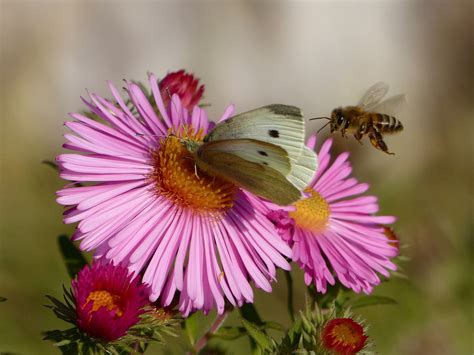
x=234, y=161
x=281, y=125
x=373, y=96
x=254, y=151
x=304, y=169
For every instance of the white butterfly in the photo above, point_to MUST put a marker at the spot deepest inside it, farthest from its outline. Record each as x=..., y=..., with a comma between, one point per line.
x=262, y=151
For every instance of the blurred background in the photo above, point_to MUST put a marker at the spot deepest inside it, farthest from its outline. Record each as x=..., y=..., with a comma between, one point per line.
x=316, y=55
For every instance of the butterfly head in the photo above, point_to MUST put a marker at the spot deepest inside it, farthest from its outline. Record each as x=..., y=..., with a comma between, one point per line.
x=191, y=145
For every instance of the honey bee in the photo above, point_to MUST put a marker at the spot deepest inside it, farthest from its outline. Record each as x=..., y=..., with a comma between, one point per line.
x=370, y=116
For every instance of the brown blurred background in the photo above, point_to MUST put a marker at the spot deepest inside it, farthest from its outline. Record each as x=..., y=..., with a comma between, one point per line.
x=316, y=55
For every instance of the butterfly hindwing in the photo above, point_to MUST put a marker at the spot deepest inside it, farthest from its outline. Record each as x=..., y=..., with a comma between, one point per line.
x=257, y=178
x=253, y=151
x=304, y=169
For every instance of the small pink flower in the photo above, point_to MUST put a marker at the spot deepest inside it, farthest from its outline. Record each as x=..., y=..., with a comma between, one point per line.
x=331, y=226
x=184, y=85
x=108, y=300
x=145, y=207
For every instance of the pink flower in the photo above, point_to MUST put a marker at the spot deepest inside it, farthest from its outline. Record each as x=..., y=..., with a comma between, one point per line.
x=108, y=300
x=184, y=85
x=150, y=210
x=331, y=226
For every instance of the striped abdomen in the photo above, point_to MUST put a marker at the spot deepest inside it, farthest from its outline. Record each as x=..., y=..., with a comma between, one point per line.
x=386, y=123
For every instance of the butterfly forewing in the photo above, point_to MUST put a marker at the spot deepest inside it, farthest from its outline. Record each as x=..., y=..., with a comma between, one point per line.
x=281, y=125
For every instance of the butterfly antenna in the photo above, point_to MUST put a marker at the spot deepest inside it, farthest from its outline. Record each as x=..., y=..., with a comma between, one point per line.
x=138, y=134
x=185, y=132
x=319, y=130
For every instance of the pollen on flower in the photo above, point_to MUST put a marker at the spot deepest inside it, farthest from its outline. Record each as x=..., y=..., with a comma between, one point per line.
x=311, y=213
x=104, y=299
x=177, y=178
x=344, y=336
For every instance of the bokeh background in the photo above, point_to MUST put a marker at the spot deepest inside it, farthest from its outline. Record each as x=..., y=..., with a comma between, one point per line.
x=316, y=55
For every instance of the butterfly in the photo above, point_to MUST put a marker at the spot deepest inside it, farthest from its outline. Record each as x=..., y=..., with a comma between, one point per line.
x=261, y=151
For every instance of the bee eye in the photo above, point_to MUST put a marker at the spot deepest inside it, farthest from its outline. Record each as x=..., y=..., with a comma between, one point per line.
x=340, y=120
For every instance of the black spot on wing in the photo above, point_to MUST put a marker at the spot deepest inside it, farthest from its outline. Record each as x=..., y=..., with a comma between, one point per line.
x=265, y=163
x=261, y=152
x=273, y=133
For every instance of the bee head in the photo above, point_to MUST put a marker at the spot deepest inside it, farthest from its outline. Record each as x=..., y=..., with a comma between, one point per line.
x=338, y=120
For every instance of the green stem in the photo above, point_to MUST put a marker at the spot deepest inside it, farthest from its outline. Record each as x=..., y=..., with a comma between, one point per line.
x=289, y=281
x=201, y=343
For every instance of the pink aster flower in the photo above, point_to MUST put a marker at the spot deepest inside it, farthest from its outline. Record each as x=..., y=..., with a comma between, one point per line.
x=108, y=300
x=184, y=85
x=145, y=207
x=332, y=229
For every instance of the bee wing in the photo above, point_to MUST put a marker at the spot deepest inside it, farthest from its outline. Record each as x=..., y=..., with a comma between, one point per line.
x=277, y=124
x=219, y=159
x=391, y=106
x=373, y=96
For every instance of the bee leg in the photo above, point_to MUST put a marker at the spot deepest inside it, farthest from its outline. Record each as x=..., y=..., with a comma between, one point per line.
x=376, y=139
x=358, y=136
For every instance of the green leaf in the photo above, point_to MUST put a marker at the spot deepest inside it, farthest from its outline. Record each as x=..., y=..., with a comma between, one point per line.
x=190, y=325
x=52, y=164
x=229, y=333
x=258, y=336
x=72, y=256
x=365, y=301
x=249, y=312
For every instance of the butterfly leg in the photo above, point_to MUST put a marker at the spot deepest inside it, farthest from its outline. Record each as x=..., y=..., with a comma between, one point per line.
x=196, y=170
x=376, y=139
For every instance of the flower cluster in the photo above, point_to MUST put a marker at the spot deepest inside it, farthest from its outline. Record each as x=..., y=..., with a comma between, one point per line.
x=163, y=232
x=196, y=234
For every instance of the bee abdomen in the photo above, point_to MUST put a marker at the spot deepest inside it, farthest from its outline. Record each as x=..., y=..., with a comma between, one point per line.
x=388, y=124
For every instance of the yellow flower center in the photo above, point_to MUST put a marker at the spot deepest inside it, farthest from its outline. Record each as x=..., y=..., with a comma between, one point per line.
x=177, y=177
x=311, y=213
x=104, y=299
x=346, y=335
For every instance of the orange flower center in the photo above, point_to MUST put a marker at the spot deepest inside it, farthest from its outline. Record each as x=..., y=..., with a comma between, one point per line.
x=344, y=336
x=311, y=213
x=104, y=299
x=176, y=176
